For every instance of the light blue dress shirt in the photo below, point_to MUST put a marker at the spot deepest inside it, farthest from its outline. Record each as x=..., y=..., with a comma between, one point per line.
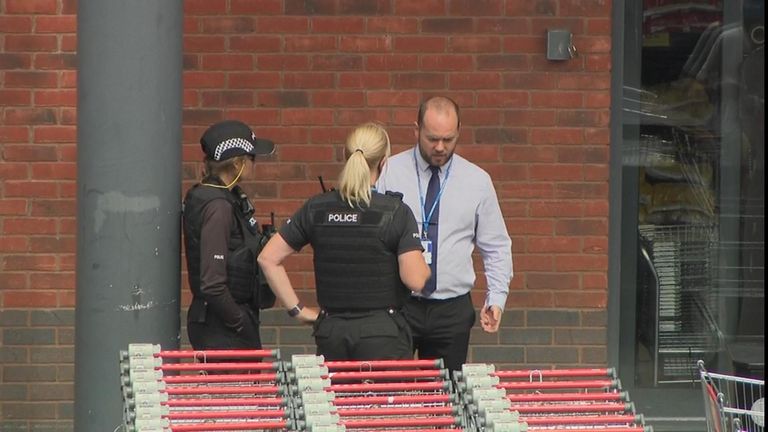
x=470, y=217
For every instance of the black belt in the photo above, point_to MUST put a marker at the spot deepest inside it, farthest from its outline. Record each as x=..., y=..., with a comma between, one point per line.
x=420, y=299
x=356, y=312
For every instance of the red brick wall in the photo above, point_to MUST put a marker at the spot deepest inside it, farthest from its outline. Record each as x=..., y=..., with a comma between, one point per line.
x=304, y=73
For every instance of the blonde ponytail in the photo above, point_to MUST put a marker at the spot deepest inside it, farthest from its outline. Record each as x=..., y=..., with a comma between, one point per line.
x=367, y=145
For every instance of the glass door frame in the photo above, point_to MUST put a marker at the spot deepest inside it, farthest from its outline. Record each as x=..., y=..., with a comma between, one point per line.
x=664, y=409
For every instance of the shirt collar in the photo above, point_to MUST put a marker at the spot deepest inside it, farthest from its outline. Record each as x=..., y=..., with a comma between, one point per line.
x=422, y=164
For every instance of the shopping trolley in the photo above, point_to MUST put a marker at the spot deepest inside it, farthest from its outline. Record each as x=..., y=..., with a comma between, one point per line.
x=558, y=400
x=731, y=403
x=211, y=390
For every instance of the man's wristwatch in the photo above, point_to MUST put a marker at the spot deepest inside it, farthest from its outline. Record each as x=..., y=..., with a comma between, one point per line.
x=296, y=310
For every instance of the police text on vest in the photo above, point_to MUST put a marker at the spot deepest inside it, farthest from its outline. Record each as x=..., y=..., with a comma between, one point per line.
x=343, y=218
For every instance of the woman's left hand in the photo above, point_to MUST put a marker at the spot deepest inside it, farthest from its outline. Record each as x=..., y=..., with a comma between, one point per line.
x=308, y=315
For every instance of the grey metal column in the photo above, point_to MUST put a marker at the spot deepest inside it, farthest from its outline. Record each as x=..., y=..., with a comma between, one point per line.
x=128, y=193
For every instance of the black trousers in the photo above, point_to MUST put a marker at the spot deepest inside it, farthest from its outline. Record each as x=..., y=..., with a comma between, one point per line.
x=207, y=331
x=441, y=328
x=370, y=335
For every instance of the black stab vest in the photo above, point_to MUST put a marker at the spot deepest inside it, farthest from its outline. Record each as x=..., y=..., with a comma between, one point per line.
x=354, y=268
x=244, y=244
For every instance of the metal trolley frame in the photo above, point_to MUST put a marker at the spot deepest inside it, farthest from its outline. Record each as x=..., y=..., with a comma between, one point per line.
x=731, y=403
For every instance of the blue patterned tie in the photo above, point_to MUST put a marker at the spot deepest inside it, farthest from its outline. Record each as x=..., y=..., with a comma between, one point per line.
x=432, y=191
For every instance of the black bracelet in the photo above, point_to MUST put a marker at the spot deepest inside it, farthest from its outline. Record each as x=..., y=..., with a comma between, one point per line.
x=296, y=310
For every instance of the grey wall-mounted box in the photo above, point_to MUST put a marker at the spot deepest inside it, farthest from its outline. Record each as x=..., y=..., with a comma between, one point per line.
x=560, y=45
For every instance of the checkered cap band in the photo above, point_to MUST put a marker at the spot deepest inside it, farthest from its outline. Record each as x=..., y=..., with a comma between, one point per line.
x=232, y=143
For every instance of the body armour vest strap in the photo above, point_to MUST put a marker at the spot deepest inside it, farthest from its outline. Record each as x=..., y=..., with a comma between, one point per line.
x=244, y=244
x=354, y=267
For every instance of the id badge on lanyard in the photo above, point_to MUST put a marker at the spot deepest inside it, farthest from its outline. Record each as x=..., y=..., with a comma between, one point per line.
x=427, y=245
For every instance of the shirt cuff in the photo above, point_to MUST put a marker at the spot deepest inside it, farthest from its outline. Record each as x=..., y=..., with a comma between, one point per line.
x=495, y=299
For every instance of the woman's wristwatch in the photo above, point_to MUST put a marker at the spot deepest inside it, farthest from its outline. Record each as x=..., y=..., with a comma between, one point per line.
x=296, y=310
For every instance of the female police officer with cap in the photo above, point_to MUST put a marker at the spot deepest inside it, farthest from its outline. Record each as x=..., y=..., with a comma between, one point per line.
x=367, y=256
x=221, y=241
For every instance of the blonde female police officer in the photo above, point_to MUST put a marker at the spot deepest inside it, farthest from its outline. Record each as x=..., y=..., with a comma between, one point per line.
x=367, y=257
x=221, y=240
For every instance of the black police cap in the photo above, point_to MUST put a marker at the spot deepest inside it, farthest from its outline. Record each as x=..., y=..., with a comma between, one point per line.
x=230, y=138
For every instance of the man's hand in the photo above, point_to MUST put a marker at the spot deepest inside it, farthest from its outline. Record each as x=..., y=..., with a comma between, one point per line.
x=490, y=318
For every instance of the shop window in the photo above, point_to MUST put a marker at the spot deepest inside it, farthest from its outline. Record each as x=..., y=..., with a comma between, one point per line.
x=696, y=113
